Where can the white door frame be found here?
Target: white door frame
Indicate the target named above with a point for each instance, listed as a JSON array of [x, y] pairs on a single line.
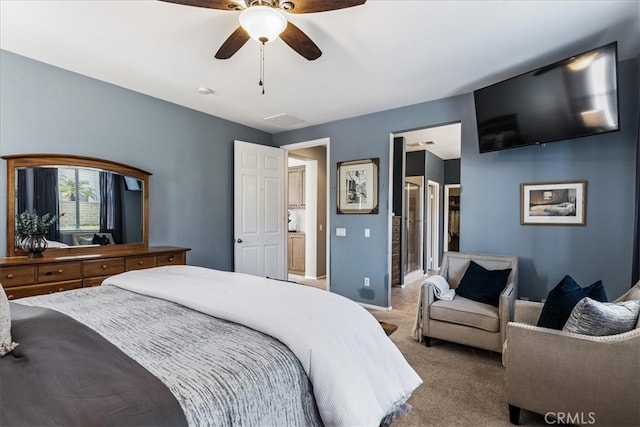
[[326, 142], [433, 208], [445, 234]]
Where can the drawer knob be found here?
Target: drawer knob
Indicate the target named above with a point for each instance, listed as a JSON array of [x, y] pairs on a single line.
[[9, 276], [140, 262], [104, 266], [60, 271], [10, 296], [48, 273], [61, 289], [170, 258]]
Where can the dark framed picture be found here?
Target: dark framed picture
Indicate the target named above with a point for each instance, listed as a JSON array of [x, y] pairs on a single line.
[[553, 203], [358, 186]]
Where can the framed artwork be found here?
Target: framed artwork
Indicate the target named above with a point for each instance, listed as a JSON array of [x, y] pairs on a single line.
[[358, 186], [553, 203]]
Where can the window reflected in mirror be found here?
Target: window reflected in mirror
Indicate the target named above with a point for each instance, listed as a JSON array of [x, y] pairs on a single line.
[[94, 207]]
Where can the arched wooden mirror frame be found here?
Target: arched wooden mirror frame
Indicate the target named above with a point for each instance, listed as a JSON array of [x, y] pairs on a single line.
[[15, 161]]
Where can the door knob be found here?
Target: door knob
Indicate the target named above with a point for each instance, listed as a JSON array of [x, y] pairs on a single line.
[[239, 240]]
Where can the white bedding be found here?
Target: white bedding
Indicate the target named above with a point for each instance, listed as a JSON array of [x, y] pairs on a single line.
[[359, 376]]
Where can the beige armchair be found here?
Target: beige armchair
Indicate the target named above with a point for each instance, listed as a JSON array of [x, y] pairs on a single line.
[[569, 377], [462, 320]]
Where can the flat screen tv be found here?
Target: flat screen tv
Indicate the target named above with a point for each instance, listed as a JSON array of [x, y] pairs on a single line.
[[575, 97]]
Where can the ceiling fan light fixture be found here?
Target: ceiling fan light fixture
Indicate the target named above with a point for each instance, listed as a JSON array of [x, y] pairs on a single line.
[[263, 23]]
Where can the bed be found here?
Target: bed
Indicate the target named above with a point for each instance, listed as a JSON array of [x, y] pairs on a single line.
[[185, 345]]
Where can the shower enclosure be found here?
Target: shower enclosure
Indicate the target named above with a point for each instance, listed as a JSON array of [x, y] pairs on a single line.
[[414, 219]]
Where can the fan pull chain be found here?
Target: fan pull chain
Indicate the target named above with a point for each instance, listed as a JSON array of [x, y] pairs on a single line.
[[261, 82]]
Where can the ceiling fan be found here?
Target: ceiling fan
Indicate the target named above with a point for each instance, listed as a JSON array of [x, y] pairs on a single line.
[[264, 21]]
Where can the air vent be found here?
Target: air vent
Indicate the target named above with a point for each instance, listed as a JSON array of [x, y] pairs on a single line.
[[284, 120]]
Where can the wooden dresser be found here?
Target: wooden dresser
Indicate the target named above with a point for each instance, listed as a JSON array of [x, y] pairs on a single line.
[[22, 276], [396, 223]]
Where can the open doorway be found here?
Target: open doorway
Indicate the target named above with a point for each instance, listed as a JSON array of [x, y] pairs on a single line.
[[307, 213], [413, 246], [431, 154], [451, 240]]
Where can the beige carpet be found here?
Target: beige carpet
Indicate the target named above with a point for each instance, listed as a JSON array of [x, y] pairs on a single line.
[[462, 386]]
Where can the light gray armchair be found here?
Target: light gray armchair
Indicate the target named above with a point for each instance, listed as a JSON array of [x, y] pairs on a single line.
[[586, 380], [462, 320]]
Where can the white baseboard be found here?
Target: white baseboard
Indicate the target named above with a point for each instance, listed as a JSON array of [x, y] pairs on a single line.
[[375, 307]]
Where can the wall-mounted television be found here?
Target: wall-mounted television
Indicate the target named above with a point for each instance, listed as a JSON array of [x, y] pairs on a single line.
[[574, 97]]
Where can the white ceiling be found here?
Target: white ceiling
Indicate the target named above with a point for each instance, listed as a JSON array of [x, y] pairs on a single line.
[[443, 141], [381, 55]]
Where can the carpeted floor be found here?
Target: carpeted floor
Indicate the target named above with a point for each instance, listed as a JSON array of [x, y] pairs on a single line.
[[463, 386]]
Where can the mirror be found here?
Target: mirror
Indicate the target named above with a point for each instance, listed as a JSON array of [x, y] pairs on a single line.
[[101, 205]]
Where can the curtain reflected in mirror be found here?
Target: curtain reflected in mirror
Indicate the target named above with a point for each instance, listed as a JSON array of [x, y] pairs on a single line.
[[95, 207], [37, 192]]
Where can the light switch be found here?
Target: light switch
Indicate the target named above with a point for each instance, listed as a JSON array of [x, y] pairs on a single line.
[[366, 232], [341, 232]]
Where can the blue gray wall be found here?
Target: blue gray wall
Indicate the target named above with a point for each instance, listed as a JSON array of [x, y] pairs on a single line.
[[452, 171], [490, 214], [435, 173], [354, 257], [44, 109], [490, 182]]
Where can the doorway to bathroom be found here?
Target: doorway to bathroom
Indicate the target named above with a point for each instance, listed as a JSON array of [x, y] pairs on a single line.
[[414, 223]]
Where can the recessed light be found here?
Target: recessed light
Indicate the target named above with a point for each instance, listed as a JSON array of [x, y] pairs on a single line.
[[204, 90]]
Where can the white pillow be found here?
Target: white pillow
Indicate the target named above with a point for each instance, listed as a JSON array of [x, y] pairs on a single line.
[[6, 345]]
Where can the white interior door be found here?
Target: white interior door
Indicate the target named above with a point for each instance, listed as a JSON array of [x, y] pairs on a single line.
[[259, 210]]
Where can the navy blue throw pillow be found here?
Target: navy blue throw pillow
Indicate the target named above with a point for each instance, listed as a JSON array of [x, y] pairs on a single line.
[[561, 300], [482, 285], [100, 240], [596, 291]]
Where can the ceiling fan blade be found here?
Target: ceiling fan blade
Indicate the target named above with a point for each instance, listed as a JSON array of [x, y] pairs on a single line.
[[210, 4], [300, 42], [311, 6], [232, 44]]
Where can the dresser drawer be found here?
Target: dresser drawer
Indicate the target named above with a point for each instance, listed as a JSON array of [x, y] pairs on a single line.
[[177, 258], [27, 291], [15, 276], [58, 272], [395, 278], [395, 250], [102, 267], [395, 261], [139, 263], [89, 282]]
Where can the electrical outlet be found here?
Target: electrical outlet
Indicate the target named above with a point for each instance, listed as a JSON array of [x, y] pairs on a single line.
[[366, 281]]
